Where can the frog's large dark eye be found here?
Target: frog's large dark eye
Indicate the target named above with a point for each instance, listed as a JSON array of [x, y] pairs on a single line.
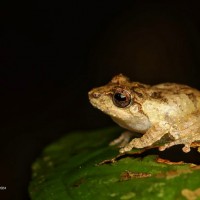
[[121, 98]]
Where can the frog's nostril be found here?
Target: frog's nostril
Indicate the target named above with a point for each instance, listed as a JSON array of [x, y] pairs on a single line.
[[96, 94]]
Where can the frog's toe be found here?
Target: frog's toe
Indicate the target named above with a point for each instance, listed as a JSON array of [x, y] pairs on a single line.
[[166, 146], [122, 150], [162, 148], [125, 149], [186, 148]]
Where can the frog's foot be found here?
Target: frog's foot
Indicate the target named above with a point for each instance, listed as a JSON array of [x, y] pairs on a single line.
[[135, 143], [151, 136], [122, 140], [185, 149]]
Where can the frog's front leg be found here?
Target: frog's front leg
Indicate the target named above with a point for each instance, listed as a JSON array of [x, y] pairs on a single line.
[[154, 134], [123, 139]]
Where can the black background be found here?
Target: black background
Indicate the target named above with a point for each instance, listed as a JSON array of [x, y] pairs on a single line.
[[53, 52]]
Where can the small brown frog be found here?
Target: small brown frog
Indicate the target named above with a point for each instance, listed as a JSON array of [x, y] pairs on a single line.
[[167, 109]]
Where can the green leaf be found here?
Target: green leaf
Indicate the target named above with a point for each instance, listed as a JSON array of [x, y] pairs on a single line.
[[69, 169]]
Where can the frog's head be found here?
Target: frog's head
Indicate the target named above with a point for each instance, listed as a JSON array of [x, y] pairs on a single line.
[[117, 99]]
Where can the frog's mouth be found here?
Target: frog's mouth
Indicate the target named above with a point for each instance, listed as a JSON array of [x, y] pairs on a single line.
[[97, 103]]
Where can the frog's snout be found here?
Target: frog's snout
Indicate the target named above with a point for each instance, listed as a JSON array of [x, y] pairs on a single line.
[[94, 94]]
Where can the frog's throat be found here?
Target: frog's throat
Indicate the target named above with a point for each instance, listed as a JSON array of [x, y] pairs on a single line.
[[134, 125]]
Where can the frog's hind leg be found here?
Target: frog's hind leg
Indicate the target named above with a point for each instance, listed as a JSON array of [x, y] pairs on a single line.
[[187, 142], [185, 131]]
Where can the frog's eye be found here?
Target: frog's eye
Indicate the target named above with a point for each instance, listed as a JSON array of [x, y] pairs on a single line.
[[121, 98]]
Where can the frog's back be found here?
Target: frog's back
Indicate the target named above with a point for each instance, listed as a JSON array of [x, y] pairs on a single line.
[[172, 100], [173, 87], [174, 90]]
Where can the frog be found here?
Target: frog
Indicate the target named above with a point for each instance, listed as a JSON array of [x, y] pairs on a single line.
[[168, 109]]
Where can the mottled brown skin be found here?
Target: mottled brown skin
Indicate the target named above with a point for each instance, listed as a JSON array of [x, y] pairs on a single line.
[[155, 111]]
